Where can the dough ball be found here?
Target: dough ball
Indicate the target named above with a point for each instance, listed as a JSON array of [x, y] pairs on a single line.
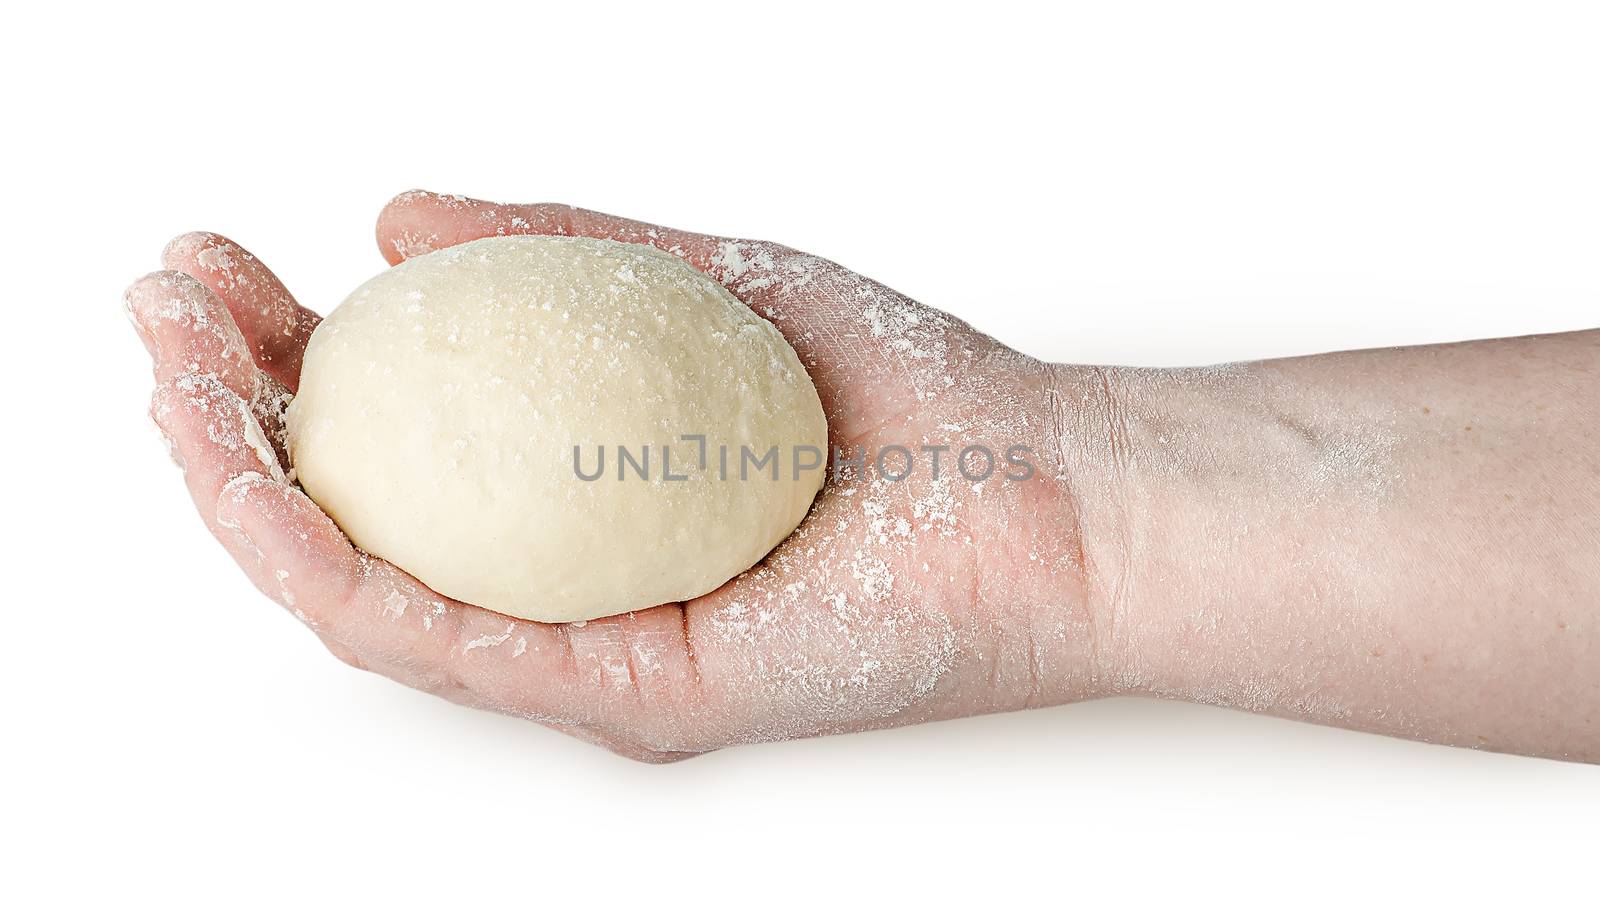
[[441, 405]]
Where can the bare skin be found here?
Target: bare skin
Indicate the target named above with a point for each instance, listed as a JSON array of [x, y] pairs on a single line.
[[1397, 541]]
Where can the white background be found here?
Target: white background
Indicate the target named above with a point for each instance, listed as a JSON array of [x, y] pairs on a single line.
[[1145, 183]]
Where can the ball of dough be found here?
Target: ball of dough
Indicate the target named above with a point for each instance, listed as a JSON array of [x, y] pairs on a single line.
[[451, 409]]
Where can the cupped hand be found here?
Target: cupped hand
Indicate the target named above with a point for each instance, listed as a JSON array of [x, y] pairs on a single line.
[[894, 602]]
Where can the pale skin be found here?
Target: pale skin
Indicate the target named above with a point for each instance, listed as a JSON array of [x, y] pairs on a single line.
[[1400, 541]]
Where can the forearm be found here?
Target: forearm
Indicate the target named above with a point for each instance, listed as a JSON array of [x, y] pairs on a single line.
[[1404, 541]]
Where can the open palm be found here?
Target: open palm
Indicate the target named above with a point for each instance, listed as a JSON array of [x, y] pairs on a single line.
[[896, 601]]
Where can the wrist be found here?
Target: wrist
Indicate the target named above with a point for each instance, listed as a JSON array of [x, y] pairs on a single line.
[[1213, 552], [1021, 559], [1087, 458], [1148, 456]]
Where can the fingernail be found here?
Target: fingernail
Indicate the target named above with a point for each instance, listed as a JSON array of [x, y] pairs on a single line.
[[156, 412], [229, 500], [171, 447], [179, 247], [151, 346]]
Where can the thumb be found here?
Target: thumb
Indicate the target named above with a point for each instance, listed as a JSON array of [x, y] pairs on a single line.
[[866, 346]]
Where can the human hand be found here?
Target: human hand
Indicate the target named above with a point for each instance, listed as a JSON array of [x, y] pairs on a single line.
[[894, 602]]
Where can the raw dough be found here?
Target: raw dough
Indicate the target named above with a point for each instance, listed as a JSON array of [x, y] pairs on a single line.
[[440, 404]]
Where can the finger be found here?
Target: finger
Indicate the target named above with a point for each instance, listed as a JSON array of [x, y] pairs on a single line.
[[397, 626], [418, 222], [226, 463], [186, 329], [215, 438], [380, 615], [298, 556], [189, 332], [275, 326], [625, 675], [587, 734], [759, 273]]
